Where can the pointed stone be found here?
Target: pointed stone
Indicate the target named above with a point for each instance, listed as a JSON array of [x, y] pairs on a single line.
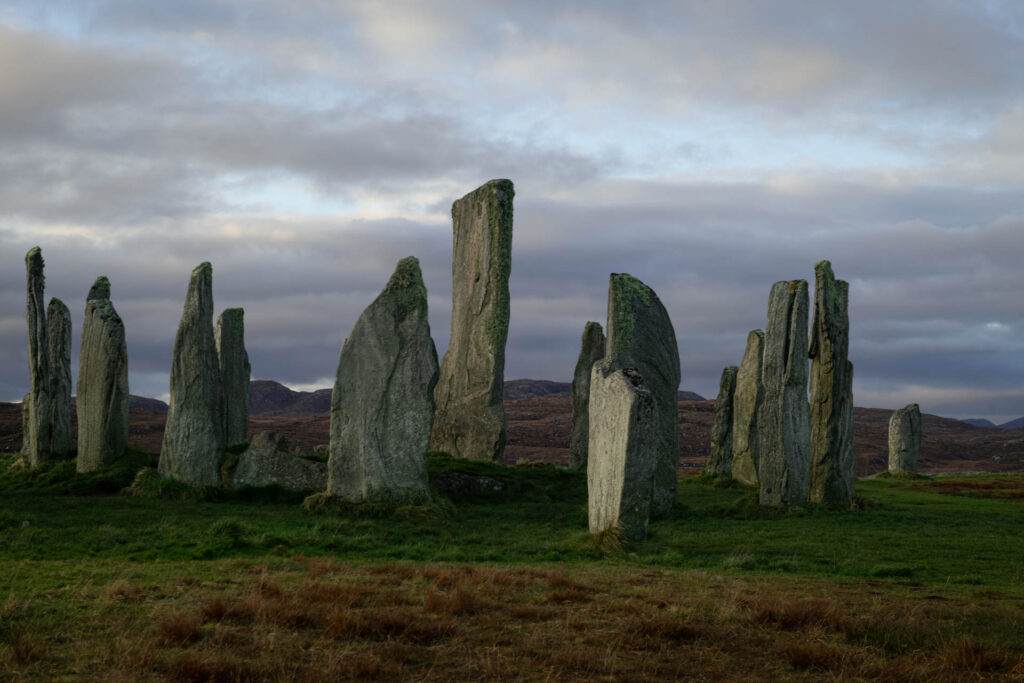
[[720, 462], [268, 461], [905, 439], [39, 431], [746, 403], [640, 336], [832, 471], [470, 418], [102, 383], [591, 350], [382, 407], [58, 343], [235, 372], [784, 420], [194, 440], [623, 451]]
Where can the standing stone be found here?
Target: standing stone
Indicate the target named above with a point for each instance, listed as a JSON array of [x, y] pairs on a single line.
[[591, 350], [58, 344], [235, 372], [640, 336], [102, 382], [38, 429], [784, 420], [382, 407], [904, 439], [194, 436], [26, 424], [623, 451], [745, 405], [832, 471], [470, 418], [720, 462]]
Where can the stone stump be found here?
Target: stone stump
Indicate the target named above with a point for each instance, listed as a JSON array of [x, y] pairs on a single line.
[[382, 407], [470, 418], [905, 439], [235, 371], [591, 350], [720, 462], [268, 461], [745, 405]]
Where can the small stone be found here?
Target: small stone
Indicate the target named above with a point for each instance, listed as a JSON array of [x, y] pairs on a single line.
[[194, 438], [591, 350], [470, 418], [720, 462], [623, 451], [235, 372], [784, 420], [103, 397], [268, 462], [745, 405], [905, 439], [382, 406]]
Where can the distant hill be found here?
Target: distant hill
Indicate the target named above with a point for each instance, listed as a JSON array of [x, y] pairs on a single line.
[[979, 422], [267, 397], [1013, 424], [134, 401], [518, 389]]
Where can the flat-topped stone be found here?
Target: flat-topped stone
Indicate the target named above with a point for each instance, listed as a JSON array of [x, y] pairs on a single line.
[[905, 439], [746, 403]]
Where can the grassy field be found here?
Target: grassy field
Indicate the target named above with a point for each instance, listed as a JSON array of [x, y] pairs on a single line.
[[923, 581]]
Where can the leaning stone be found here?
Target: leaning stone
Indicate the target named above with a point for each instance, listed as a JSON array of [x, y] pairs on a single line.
[[268, 462], [720, 462], [103, 397], [382, 406], [470, 418], [58, 343], [194, 436], [832, 471], [784, 420], [235, 372], [746, 403], [591, 350], [640, 336], [623, 451], [39, 428], [905, 439]]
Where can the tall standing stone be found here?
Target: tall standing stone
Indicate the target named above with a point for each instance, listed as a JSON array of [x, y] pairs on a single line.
[[591, 350], [58, 345], [832, 470], [640, 336], [382, 407], [39, 429], [235, 372], [623, 450], [784, 420], [720, 462], [904, 439], [103, 397], [470, 418], [194, 436], [745, 405]]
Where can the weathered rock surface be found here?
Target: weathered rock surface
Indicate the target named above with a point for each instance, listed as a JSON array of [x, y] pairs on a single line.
[[745, 404], [268, 461], [382, 407], [832, 470], [905, 439], [623, 451], [58, 345], [103, 397], [784, 420], [640, 336], [38, 427], [470, 418], [591, 350], [235, 371], [194, 439], [720, 462]]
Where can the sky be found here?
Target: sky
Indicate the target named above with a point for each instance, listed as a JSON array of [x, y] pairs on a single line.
[[707, 148]]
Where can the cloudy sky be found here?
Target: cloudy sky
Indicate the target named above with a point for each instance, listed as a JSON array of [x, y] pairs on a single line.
[[708, 148]]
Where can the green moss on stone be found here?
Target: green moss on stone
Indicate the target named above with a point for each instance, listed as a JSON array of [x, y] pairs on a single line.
[[100, 289], [627, 293], [406, 287]]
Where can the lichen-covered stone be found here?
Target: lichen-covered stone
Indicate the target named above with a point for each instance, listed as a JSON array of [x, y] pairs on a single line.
[[905, 439], [382, 407], [194, 438], [591, 350], [38, 430], [720, 462], [268, 461], [103, 397], [470, 418], [784, 420], [623, 451], [58, 345], [640, 336], [832, 471], [745, 404], [235, 371]]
